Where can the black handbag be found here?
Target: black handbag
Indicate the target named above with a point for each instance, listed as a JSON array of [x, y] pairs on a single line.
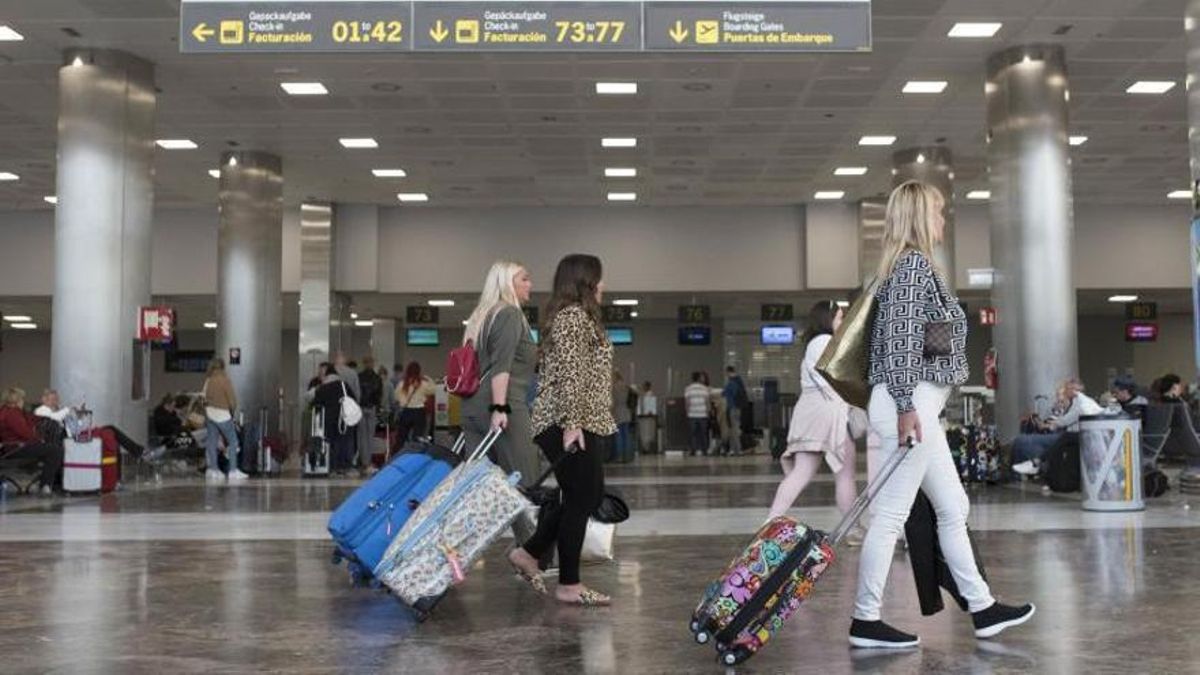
[[612, 509], [938, 338]]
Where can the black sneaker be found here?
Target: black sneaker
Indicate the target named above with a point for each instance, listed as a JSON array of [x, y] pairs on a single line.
[[879, 635], [992, 621]]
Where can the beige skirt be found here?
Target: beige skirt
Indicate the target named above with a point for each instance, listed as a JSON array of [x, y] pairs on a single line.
[[819, 424]]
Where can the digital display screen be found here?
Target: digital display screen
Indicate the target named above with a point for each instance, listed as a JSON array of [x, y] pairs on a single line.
[[778, 335], [423, 337], [695, 335], [1141, 332], [536, 335], [620, 336]]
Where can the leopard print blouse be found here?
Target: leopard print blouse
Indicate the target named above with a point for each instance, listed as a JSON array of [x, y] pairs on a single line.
[[575, 384]]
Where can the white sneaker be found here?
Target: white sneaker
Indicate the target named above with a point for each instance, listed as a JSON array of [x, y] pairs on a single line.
[[237, 475], [214, 476], [1025, 468]]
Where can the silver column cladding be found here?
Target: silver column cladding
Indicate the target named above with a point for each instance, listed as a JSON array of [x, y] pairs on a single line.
[[249, 270], [1032, 226], [871, 212], [383, 342], [316, 287], [102, 229], [1191, 25], [933, 165]]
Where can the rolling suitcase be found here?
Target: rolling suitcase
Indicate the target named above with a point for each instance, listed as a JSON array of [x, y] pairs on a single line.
[[82, 465], [450, 530], [766, 583], [364, 524], [315, 462]]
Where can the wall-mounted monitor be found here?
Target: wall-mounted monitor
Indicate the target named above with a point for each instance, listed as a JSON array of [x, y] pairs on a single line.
[[620, 335], [695, 335], [423, 337], [536, 335], [778, 335], [1141, 331]]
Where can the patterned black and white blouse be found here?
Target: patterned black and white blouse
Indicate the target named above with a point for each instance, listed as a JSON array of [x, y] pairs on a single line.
[[914, 296]]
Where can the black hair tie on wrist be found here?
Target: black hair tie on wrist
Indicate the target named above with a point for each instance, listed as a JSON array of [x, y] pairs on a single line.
[[506, 409]]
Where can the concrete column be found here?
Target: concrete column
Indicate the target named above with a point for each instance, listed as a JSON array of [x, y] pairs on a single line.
[[1191, 26], [933, 165], [316, 291], [871, 212], [1032, 226], [102, 231], [383, 342], [249, 262]]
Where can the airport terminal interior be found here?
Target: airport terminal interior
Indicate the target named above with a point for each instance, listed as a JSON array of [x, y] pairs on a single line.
[[242, 245]]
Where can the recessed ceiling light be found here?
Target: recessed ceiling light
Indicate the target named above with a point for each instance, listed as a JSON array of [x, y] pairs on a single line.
[[353, 315], [1077, 140], [389, 173], [304, 88], [974, 30], [617, 88], [979, 194], [50, 199], [210, 324], [622, 196], [176, 144], [7, 34], [17, 318], [1150, 87], [620, 173], [358, 142], [843, 303], [925, 87], [24, 326], [1179, 194], [850, 171], [829, 194], [8, 176], [619, 142], [366, 323], [626, 302], [981, 277], [877, 140], [465, 322], [633, 315], [1123, 298], [412, 197], [441, 303]]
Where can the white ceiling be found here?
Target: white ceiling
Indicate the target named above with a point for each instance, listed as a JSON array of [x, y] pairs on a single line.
[[525, 129]]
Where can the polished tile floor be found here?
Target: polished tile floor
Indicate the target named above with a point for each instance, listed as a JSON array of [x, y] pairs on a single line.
[[177, 577]]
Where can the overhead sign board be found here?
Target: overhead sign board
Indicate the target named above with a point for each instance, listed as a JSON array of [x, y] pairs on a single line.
[[241, 26], [695, 313], [777, 312], [1141, 311], [421, 314]]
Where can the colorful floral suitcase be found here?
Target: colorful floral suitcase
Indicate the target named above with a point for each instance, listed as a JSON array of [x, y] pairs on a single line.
[[764, 585]]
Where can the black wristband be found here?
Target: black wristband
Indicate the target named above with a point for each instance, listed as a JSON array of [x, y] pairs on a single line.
[[506, 409]]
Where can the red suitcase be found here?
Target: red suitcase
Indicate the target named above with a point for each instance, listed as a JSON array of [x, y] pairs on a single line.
[[110, 458]]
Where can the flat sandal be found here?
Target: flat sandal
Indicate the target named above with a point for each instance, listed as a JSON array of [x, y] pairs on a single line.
[[589, 598]]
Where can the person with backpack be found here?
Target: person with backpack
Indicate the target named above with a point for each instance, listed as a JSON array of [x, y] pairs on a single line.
[[736, 401], [327, 397]]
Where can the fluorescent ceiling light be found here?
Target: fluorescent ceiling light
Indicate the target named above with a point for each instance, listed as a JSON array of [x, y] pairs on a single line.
[[441, 303], [829, 194], [17, 318], [616, 88], [9, 35], [389, 173], [979, 194], [843, 303], [850, 171], [620, 173], [877, 140], [974, 30], [982, 277], [8, 176], [210, 324], [626, 302], [358, 142], [1123, 298], [25, 326], [1179, 194], [925, 87], [366, 323], [353, 315], [633, 315], [413, 197], [176, 144], [1150, 87], [465, 322], [622, 196], [50, 199], [215, 173], [618, 142], [1077, 140], [304, 88]]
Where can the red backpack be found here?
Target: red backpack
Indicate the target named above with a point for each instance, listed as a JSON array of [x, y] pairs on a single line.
[[462, 371]]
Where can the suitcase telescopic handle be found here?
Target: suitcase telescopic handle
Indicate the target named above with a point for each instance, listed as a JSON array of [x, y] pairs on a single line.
[[459, 443], [863, 501], [486, 444]]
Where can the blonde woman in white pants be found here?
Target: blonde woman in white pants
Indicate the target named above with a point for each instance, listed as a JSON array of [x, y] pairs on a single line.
[[917, 355]]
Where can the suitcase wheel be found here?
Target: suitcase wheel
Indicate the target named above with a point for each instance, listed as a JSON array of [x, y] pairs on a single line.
[[695, 625], [702, 638], [336, 558], [733, 657]]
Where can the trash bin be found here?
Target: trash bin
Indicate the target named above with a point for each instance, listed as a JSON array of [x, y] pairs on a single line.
[[1110, 463]]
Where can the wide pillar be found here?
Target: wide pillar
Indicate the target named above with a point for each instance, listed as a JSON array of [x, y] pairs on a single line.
[[316, 287], [1032, 227], [102, 229], [1191, 25], [871, 214], [383, 342], [249, 262], [933, 165]]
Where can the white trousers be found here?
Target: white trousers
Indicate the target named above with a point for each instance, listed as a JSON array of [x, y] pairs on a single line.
[[928, 467]]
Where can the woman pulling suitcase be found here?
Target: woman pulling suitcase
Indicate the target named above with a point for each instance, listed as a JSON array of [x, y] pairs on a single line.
[[917, 355]]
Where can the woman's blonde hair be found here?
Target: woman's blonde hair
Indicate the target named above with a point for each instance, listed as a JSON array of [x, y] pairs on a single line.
[[498, 291], [908, 225], [15, 397], [216, 365]]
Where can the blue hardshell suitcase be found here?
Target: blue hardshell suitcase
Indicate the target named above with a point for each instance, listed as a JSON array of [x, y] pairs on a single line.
[[364, 524]]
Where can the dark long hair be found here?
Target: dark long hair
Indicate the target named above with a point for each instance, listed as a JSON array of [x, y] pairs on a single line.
[[412, 376], [575, 283], [820, 320]]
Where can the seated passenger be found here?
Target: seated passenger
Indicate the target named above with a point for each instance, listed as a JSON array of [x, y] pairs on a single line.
[[1125, 390], [53, 409], [1169, 389], [1028, 449], [20, 442], [168, 424]]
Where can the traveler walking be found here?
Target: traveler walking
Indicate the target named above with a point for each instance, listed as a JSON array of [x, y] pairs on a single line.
[[412, 393], [572, 423], [220, 405], [917, 355]]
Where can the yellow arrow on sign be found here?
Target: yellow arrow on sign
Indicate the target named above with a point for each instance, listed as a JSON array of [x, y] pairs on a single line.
[[202, 32], [678, 33], [439, 32]]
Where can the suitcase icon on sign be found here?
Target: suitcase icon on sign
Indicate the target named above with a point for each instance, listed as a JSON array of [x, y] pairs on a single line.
[[233, 32]]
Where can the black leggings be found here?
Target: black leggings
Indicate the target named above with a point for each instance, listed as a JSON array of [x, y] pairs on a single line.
[[412, 421], [581, 478]]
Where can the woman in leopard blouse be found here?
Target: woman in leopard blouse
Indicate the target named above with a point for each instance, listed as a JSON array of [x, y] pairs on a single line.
[[572, 422]]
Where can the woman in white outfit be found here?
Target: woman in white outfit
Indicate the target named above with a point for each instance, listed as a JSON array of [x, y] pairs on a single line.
[[917, 355], [819, 427]]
